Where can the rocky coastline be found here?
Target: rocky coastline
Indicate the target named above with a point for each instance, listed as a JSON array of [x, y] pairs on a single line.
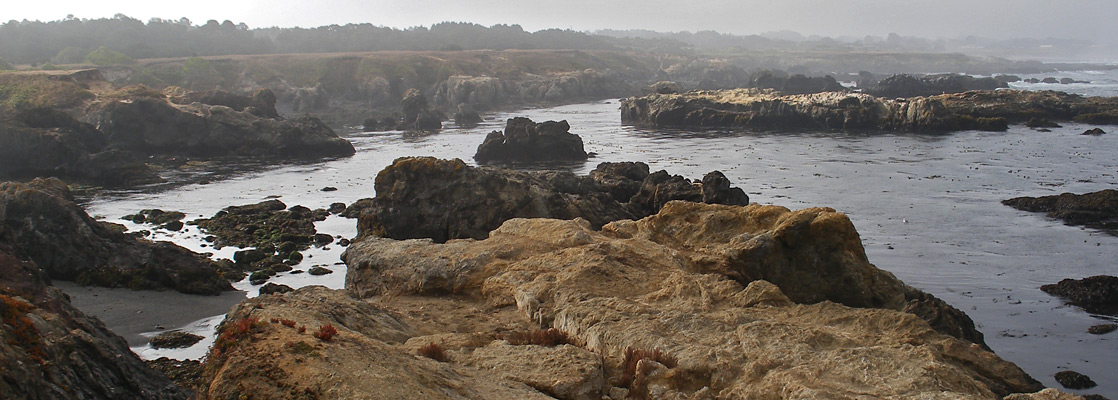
[[765, 110], [84, 129], [1097, 210]]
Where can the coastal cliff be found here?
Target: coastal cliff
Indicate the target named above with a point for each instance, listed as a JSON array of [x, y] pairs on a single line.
[[766, 110]]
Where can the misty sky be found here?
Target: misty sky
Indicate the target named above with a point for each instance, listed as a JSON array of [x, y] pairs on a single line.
[[1081, 19]]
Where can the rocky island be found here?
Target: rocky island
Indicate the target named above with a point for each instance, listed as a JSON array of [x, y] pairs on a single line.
[[767, 110]]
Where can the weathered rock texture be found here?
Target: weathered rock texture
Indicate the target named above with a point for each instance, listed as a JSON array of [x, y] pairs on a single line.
[[425, 197], [50, 350], [768, 110], [692, 290], [911, 86], [41, 223], [1097, 210], [524, 140]]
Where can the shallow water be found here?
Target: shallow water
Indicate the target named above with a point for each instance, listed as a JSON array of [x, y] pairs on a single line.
[[927, 206]]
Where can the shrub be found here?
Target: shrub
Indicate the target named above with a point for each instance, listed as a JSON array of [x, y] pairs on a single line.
[[326, 333], [302, 329], [288, 323], [433, 351], [544, 337], [230, 334]]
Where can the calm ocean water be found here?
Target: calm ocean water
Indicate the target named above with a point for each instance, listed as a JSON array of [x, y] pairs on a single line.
[[927, 206]]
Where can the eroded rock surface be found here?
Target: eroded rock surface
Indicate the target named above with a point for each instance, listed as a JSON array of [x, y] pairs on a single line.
[[682, 289], [1097, 210], [41, 223], [1098, 294], [51, 350], [425, 197], [768, 110]]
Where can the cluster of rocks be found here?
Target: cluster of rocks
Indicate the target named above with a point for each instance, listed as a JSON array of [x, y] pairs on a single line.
[[417, 116], [525, 140], [40, 222], [767, 110], [272, 233], [425, 197], [1052, 80], [111, 139]]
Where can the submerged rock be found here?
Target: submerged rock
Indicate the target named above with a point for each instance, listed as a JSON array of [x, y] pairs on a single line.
[[524, 140], [425, 197], [1098, 210], [41, 223], [54, 351]]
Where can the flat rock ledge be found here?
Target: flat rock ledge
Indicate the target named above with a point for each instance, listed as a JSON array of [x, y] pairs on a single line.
[[767, 110]]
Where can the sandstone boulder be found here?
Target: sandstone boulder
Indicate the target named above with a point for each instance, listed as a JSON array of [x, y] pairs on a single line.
[[525, 140]]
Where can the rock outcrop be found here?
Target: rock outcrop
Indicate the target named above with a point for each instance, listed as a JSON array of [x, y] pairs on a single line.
[[1097, 294], [51, 350], [417, 114], [767, 110], [524, 140], [1098, 210], [425, 197], [40, 222], [688, 295]]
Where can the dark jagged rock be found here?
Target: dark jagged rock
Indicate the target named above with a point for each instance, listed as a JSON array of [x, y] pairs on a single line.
[[766, 110], [424, 197], [155, 217], [664, 87], [1074, 380], [1097, 294], [273, 288], [417, 115], [524, 140], [185, 373], [1050, 80], [336, 208], [1098, 210], [41, 223], [174, 340], [716, 190], [1094, 132], [910, 86], [801, 84], [54, 351], [370, 125], [316, 270], [942, 316]]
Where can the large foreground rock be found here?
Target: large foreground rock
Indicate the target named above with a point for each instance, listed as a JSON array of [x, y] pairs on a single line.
[[40, 222], [693, 292], [50, 350], [1097, 210], [767, 110], [425, 197], [524, 140]]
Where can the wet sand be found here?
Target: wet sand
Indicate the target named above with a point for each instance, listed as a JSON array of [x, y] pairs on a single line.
[[130, 313]]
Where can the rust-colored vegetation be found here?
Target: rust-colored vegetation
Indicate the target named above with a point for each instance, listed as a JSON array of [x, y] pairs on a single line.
[[550, 337], [13, 312], [633, 377], [288, 323], [230, 334], [326, 333], [433, 351]]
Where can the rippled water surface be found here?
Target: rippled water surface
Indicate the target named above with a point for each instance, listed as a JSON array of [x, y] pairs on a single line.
[[927, 206]]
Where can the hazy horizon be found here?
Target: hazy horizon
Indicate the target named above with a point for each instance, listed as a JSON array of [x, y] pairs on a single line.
[[996, 19]]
